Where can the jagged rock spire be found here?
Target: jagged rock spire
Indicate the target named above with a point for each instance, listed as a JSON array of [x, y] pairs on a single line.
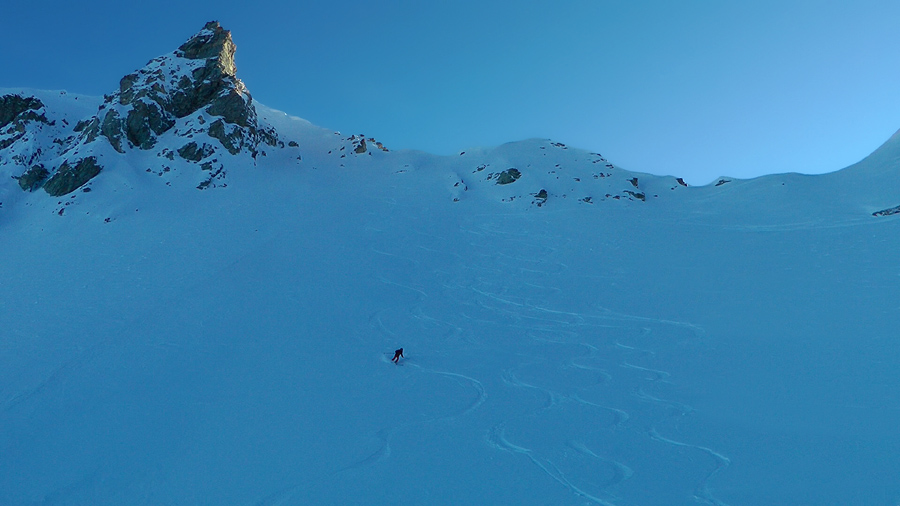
[[200, 74], [211, 42], [194, 87]]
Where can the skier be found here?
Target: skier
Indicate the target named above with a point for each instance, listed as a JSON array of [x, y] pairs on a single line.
[[397, 355]]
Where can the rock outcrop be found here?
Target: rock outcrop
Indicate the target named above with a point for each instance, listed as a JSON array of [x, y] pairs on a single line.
[[70, 177], [19, 108], [33, 178], [198, 77], [508, 176], [887, 212], [185, 96], [27, 140], [16, 113]]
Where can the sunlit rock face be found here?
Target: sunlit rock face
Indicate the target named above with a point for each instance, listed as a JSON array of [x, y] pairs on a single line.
[[191, 92]]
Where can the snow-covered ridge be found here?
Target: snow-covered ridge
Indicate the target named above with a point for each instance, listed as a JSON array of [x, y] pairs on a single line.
[[188, 102], [186, 118], [193, 326], [188, 109]]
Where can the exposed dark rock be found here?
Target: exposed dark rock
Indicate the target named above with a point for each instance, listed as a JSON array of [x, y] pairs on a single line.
[[194, 87], [5, 143], [33, 178], [91, 130], [214, 179], [634, 181], [361, 148], [112, 130], [508, 176], [143, 121], [126, 89], [149, 101], [232, 106], [11, 106], [887, 212], [268, 136], [211, 42], [16, 114], [230, 141], [68, 178], [194, 153], [638, 195], [215, 84]]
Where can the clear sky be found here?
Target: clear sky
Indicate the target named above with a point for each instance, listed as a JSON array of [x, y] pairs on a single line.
[[695, 88]]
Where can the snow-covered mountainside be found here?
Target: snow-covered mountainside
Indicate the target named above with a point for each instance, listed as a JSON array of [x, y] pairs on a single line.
[[201, 296], [188, 104], [186, 116]]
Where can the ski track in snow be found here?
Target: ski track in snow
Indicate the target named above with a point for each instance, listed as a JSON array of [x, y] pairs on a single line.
[[389, 282], [453, 332], [622, 472], [497, 438], [377, 323], [401, 257], [383, 452], [553, 398], [805, 225], [384, 435], [50, 381], [703, 493], [574, 364], [481, 394], [621, 416], [657, 375], [613, 355], [62, 494], [280, 497]]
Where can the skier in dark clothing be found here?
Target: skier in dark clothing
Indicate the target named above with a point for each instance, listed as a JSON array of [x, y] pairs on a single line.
[[397, 355]]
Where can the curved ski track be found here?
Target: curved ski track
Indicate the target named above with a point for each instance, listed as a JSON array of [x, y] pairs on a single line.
[[612, 364]]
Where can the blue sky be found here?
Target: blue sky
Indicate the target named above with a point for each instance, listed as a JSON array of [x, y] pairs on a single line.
[[695, 89]]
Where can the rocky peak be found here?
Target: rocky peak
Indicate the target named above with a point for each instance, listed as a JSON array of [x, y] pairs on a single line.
[[197, 77], [190, 93], [213, 42]]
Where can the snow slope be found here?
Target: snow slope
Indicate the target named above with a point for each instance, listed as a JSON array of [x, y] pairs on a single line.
[[574, 333], [717, 345]]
